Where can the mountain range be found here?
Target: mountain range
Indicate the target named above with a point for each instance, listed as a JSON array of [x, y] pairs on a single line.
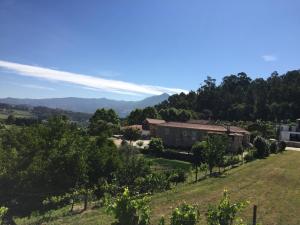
[[88, 105]]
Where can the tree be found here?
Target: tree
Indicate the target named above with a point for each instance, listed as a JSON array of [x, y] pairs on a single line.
[[52, 157], [103, 122], [198, 151], [213, 153], [240, 98], [10, 119], [156, 146], [131, 134], [138, 116]]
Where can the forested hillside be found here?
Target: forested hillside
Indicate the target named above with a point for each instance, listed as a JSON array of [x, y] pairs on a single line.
[[238, 97]]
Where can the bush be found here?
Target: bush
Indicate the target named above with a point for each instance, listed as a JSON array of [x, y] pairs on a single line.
[[140, 143], [250, 156], [156, 146], [274, 147], [262, 147], [3, 211], [152, 183], [177, 176], [185, 215], [225, 212], [231, 160], [130, 210], [281, 146]]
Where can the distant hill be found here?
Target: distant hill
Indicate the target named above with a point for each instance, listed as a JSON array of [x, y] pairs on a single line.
[[25, 113], [88, 105]]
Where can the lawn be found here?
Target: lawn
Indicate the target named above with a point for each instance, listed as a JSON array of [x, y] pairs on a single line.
[[160, 164], [273, 184]]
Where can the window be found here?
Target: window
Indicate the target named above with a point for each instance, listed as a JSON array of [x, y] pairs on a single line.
[[167, 131], [194, 135], [294, 137], [184, 133]]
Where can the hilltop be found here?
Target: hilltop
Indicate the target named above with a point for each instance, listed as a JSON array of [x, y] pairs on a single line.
[[88, 105]]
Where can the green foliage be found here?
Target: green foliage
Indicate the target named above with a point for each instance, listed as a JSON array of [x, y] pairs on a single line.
[[198, 150], [11, 119], [104, 122], [238, 97], [273, 147], [262, 147], [138, 116], [185, 215], [140, 143], [249, 155], [3, 211], [132, 167], [156, 146], [173, 114], [153, 182], [131, 134], [177, 176], [130, 210], [281, 146], [50, 159], [225, 213], [213, 151]]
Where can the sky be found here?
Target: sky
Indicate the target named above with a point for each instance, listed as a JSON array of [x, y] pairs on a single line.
[[131, 49]]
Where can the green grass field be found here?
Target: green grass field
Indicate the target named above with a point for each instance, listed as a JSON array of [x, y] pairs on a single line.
[[160, 164], [273, 184], [16, 113]]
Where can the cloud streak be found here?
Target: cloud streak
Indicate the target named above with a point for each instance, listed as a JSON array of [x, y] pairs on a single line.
[[269, 58], [86, 81]]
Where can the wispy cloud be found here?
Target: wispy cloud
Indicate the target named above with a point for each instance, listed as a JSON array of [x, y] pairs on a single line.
[[37, 87], [269, 58], [86, 81]]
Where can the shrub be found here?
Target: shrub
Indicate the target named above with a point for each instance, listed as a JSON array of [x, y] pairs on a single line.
[[140, 143], [130, 210], [250, 155], [3, 211], [185, 215], [177, 176], [152, 183], [262, 147], [273, 147], [231, 160], [131, 134], [156, 146], [225, 212], [172, 154], [281, 146]]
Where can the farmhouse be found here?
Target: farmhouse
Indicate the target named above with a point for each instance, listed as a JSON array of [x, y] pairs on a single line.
[[290, 134], [184, 135], [151, 125]]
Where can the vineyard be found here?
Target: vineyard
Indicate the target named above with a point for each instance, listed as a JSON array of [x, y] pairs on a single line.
[[272, 184]]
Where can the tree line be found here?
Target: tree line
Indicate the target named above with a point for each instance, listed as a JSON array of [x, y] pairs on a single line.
[[238, 97]]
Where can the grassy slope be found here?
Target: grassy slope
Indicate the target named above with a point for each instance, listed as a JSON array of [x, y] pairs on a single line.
[[273, 184]]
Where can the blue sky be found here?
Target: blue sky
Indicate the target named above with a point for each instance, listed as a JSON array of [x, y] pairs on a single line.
[[125, 49]]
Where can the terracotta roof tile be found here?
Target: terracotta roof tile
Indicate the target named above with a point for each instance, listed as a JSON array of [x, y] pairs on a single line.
[[155, 121], [206, 127]]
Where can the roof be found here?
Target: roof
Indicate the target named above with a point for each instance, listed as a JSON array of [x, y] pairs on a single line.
[[198, 121], [204, 127], [155, 121]]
